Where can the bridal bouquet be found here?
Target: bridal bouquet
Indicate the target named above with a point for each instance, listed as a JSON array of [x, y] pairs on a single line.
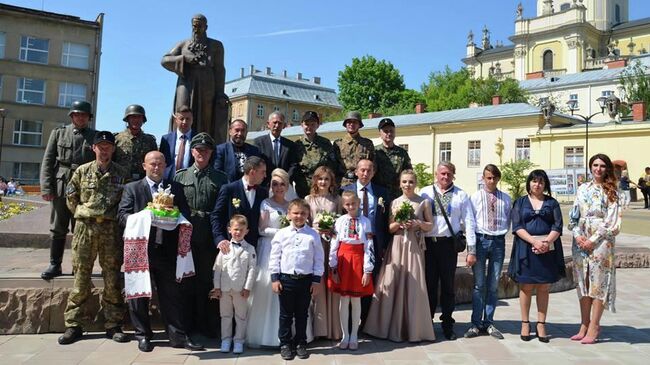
[[284, 221], [326, 220], [404, 213]]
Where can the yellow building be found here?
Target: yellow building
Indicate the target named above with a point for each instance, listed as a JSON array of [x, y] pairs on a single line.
[[258, 94], [565, 39], [47, 61]]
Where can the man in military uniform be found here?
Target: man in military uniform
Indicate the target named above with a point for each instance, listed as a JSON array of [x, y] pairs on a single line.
[[93, 195], [313, 151], [201, 184], [68, 148], [351, 148], [390, 159], [132, 143]]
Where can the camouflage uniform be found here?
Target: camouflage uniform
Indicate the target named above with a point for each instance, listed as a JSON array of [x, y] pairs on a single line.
[[390, 162], [130, 151], [201, 188], [93, 196], [312, 155], [348, 151]]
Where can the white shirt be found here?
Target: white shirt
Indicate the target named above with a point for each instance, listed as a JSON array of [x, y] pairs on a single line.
[[371, 200], [459, 212], [297, 251], [481, 206], [277, 155], [152, 183], [236, 269], [250, 194], [186, 156], [363, 237]]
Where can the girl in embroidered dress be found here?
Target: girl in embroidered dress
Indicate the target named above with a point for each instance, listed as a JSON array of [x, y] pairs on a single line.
[[351, 260]]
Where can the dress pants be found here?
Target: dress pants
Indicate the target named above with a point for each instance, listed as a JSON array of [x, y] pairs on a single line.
[[163, 274], [201, 312], [294, 303], [440, 260], [233, 304]]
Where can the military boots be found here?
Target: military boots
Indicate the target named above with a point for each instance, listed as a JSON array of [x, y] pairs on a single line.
[[56, 256]]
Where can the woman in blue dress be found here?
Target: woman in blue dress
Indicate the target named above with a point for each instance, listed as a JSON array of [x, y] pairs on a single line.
[[537, 260]]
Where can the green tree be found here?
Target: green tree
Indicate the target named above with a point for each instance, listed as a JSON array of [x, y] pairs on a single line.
[[514, 173], [369, 85], [425, 178], [636, 82], [406, 104]]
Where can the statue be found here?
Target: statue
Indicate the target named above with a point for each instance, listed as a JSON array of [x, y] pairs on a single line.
[[486, 38], [470, 38], [520, 11], [198, 62]]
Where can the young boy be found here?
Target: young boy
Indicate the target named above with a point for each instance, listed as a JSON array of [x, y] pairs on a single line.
[[296, 266], [234, 275]]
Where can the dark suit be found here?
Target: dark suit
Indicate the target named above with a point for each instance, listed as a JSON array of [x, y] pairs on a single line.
[[168, 149], [224, 159], [380, 230], [288, 160], [224, 210], [162, 265]]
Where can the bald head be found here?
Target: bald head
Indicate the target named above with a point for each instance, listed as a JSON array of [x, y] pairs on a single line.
[[154, 165]]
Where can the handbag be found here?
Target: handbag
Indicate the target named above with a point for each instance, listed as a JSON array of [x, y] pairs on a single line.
[[460, 242]]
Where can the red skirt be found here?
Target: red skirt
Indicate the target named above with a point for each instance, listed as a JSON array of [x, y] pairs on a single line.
[[350, 268]]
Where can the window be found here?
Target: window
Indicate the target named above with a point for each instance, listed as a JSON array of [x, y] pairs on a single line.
[[276, 108], [69, 92], [565, 6], [445, 151], [1, 79], [27, 173], [33, 49], [607, 93], [75, 55], [574, 157], [575, 97], [473, 153], [295, 115], [30, 91], [260, 111], [405, 147], [28, 133], [548, 60], [522, 149], [617, 13], [3, 41]]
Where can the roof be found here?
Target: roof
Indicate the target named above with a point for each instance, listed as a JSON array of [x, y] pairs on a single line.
[[442, 117], [631, 24], [47, 14], [277, 87], [585, 77], [500, 49]]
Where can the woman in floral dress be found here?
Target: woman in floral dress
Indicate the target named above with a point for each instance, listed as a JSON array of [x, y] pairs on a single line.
[[323, 198], [595, 221]]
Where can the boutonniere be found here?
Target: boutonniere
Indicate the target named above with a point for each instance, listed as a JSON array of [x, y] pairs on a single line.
[[236, 202], [380, 202]]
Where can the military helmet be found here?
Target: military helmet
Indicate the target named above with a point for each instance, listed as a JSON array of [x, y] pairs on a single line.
[[353, 115], [134, 109], [81, 106]]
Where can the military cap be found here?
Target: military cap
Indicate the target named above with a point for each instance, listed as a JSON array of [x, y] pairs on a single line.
[[310, 115], [202, 139], [385, 122], [104, 136], [353, 115]]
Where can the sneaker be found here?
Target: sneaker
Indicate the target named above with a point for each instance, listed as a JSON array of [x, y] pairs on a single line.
[[301, 351], [494, 332], [225, 346], [472, 332], [286, 352], [238, 348]]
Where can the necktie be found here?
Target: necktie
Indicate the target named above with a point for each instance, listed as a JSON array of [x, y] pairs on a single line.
[[181, 154], [352, 229], [154, 188], [276, 151], [365, 201], [492, 212]]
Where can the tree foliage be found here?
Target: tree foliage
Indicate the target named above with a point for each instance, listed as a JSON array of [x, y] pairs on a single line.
[[406, 104], [369, 85], [636, 82], [425, 178], [514, 173], [458, 89]]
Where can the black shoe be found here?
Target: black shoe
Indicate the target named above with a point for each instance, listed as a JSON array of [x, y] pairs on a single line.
[[527, 337], [117, 335], [301, 352], [544, 339], [144, 345], [286, 352], [71, 335], [51, 272], [472, 332], [193, 346], [449, 334]]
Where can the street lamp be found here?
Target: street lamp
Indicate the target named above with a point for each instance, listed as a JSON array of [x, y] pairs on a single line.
[[3, 114]]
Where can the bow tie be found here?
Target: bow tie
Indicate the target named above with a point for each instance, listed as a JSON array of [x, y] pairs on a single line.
[[251, 187], [235, 243]]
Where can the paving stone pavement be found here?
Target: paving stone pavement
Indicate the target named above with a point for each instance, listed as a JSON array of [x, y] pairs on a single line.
[[625, 339]]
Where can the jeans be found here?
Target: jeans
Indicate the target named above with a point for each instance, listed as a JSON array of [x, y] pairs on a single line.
[[490, 251]]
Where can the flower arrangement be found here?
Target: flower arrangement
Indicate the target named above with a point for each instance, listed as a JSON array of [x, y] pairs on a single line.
[[404, 213], [284, 221], [380, 202], [11, 209], [236, 203], [326, 220]]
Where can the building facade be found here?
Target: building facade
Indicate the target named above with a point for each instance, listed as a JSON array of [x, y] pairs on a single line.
[[47, 61], [256, 95], [563, 40]]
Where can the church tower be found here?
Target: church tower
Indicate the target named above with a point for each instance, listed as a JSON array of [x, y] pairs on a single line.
[[602, 14]]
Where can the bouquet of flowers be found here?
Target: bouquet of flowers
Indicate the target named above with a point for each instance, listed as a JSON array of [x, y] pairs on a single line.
[[284, 221], [326, 220], [404, 213]]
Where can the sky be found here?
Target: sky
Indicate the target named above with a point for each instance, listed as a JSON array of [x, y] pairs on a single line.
[[316, 38]]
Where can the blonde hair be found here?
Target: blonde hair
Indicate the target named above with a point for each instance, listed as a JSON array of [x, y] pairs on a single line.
[[409, 172], [301, 203], [349, 194], [280, 173], [320, 171], [238, 219]]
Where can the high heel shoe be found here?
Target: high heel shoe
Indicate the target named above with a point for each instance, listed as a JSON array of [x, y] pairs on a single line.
[[527, 337], [591, 340], [577, 337], [543, 339]]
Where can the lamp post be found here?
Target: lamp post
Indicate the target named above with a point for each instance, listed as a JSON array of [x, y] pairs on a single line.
[[3, 114]]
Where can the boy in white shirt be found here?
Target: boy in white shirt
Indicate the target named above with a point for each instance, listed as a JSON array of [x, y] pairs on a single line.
[[234, 275]]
